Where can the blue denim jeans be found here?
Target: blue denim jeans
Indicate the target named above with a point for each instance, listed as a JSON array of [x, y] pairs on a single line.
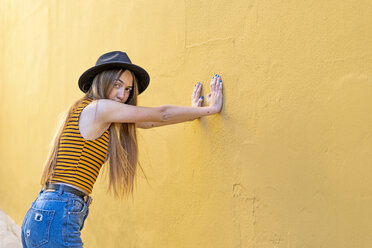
[[55, 219]]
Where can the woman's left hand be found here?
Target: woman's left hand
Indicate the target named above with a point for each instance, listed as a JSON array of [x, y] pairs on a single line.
[[196, 99]]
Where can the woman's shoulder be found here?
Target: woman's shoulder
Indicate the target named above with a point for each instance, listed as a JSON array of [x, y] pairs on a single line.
[[82, 103], [91, 126], [100, 105]]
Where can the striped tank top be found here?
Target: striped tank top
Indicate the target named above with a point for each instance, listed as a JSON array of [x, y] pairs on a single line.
[[79, 160]]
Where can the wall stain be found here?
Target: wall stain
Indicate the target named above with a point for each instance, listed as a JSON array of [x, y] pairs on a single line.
[[244, 214]]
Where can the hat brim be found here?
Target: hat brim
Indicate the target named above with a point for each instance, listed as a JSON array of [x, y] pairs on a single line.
[[86, 79]]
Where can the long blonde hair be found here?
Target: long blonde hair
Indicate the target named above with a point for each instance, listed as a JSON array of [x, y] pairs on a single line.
[[122, 156]]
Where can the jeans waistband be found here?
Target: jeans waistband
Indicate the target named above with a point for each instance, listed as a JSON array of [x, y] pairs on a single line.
[[65, 188]]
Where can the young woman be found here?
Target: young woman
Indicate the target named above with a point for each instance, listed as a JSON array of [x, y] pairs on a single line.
[[100, 128]]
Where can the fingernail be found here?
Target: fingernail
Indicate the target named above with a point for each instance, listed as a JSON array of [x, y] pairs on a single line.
[[195, 85], [215, 75], [202, 97], [221, 80]]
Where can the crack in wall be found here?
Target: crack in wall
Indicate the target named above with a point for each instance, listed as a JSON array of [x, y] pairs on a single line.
[[244, 214], [209, 41]]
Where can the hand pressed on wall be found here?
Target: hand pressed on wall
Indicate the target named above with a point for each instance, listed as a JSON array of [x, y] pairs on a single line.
[[214, 98]]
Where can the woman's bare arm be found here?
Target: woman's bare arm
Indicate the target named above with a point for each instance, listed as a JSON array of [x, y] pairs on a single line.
[[196, 101], [147, 125], [108, 111]]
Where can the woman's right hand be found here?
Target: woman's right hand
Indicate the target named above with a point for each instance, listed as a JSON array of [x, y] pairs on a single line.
[[214, 98]]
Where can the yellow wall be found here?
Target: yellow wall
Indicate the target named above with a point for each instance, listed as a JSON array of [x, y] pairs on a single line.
[[286, 164]]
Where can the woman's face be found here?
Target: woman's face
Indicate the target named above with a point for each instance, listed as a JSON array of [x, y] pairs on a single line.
[[121, 87]]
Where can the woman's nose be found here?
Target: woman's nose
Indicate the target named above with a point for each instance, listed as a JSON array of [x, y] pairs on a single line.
[[120, 93]]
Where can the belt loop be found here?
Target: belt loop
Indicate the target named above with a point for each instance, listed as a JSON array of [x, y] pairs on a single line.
[[89, 200], [60, 189], [43, 189]]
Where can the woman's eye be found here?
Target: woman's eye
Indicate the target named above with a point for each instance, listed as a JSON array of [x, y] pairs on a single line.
[[116, 85], [128, 89]]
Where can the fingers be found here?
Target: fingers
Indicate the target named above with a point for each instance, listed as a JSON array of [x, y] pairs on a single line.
[[199, 87], [220, 86], [213, 83], [196, 98], [197, 90], [200, 101]]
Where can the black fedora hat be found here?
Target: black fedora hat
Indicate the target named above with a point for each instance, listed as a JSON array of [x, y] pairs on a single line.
[[114, 60]]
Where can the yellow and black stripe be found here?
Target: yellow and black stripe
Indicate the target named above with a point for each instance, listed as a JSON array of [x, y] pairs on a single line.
[[79, 160]]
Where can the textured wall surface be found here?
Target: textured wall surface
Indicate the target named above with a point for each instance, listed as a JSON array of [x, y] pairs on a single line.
[[286, 164]]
